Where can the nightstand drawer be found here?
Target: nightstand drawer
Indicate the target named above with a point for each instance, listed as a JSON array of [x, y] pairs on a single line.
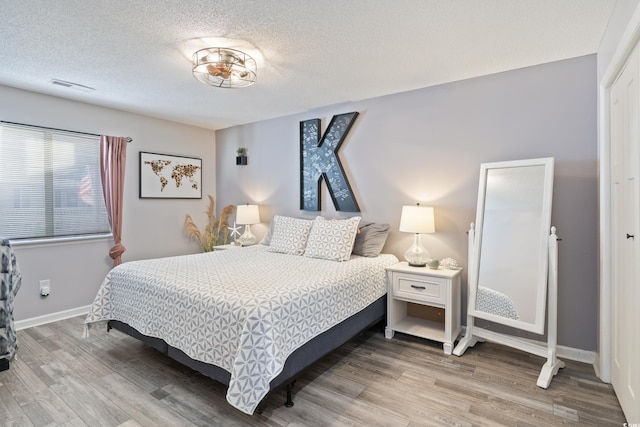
[[419, 287]]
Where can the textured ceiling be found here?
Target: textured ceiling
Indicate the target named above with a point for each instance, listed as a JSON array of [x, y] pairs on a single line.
[[137, 54]]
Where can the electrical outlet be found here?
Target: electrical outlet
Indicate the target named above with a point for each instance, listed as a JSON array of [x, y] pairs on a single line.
[[45, 287]]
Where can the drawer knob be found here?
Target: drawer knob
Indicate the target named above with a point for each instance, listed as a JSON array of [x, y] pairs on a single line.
[[418, 287]]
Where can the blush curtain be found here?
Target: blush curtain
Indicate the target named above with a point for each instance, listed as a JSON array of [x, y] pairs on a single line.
[[113, 155]]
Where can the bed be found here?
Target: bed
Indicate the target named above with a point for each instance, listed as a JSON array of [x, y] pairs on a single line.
[[250, 318]]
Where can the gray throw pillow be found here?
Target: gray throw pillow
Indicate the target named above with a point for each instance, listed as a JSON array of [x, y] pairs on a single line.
[[370, 239]]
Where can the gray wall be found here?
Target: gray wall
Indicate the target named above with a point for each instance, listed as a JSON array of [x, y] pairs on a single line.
[[427, 145], [151, 228]]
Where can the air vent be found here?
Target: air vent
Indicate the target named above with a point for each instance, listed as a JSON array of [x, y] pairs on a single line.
[[71, 85]]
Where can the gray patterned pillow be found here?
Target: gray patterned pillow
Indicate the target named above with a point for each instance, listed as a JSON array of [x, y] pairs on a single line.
[[332, 239], [289, 235]]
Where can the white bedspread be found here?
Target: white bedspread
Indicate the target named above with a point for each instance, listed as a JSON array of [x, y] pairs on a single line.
[[245, 310]]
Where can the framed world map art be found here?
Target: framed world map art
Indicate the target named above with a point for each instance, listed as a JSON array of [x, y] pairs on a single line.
[[163, 176]]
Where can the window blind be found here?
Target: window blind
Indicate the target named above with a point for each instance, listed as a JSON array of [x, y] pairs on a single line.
[[49, 183]]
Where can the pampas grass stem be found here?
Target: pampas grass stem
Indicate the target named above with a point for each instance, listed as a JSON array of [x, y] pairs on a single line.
[[215, 232]]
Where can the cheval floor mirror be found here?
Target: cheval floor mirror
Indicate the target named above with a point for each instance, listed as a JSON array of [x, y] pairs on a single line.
[[513, 260]]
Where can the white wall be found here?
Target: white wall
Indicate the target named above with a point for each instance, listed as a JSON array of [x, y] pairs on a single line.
[[427, 145], [151, 227]]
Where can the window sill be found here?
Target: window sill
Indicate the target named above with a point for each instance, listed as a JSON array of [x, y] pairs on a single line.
[[55, 241]]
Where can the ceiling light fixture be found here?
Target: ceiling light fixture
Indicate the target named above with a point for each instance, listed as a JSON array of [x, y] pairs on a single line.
[[224, 67]]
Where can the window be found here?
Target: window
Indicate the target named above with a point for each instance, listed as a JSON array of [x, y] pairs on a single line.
[[49, 183]]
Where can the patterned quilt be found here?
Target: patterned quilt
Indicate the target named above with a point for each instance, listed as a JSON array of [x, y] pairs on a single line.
[[494, 302], [244, 310]]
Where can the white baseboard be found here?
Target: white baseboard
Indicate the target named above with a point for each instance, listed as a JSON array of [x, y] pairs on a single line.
[[53, 317], [584, 356], [596, 368]]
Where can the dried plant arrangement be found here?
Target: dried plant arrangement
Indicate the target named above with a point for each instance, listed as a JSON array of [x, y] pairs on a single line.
[[216, 231]]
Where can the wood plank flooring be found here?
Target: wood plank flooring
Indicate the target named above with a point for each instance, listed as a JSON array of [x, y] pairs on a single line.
[[110, 379]]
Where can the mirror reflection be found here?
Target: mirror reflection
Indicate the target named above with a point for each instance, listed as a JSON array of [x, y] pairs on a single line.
[[513, 226]]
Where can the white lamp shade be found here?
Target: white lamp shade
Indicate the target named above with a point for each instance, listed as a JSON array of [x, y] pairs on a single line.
[[247, 214], [417, 219]]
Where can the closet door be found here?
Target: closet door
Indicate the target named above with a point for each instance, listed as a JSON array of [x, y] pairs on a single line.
[[625, 166]]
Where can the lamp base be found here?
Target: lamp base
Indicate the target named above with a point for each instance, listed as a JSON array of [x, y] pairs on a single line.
[[417, 255], [412, 264], [247, 238]]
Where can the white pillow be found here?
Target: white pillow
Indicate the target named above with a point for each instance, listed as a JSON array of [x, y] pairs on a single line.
[[289, 235], [266, 240], [332, 239]]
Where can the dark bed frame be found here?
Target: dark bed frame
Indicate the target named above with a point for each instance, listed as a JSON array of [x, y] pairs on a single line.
[[295, 364]]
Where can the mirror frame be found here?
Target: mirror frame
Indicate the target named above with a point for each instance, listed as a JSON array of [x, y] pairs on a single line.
[[543, 260]]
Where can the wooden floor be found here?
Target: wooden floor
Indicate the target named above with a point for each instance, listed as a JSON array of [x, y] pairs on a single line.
[[110, 379]]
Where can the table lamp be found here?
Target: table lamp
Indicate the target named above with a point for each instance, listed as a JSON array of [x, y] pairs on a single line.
[[417, 219], [247, 215]]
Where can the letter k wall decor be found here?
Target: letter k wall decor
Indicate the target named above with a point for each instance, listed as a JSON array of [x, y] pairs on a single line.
[[319, 160]]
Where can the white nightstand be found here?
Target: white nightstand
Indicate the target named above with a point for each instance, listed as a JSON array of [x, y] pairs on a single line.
[[408, 288]]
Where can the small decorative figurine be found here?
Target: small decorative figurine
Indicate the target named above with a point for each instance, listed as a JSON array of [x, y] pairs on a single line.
[[449, 264], [433, 263]]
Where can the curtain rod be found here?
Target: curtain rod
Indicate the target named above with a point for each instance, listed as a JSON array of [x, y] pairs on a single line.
[[129, 139]]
